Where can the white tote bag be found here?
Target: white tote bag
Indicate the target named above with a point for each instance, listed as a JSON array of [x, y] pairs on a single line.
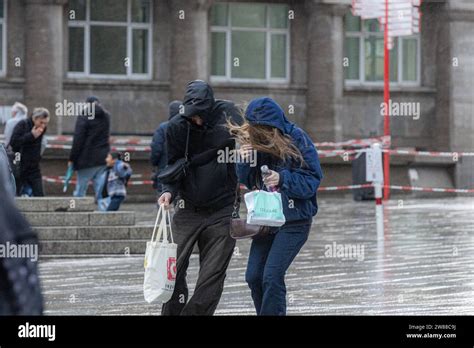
[[160, 261]]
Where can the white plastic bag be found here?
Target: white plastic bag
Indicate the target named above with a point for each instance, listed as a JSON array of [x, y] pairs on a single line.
[[264, 208], [160, 262]]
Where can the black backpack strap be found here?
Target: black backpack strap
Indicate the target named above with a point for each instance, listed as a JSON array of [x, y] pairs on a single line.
[[187, 143]]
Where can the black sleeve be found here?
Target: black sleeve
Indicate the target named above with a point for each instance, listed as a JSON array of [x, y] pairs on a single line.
[[175, 147], [207, 156], [80, 133], [21, 136]]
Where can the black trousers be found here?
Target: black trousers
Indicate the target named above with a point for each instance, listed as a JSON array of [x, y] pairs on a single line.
[[211, 231], [33, 178]]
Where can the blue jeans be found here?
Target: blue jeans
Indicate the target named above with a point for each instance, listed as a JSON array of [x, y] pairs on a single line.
[[115, 202], [269, 259], [83, 178]]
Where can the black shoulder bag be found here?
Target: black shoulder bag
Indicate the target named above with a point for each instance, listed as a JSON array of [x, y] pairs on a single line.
[[178, 170]]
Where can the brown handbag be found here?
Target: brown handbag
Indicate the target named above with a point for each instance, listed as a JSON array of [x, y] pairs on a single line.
[[239, 228]]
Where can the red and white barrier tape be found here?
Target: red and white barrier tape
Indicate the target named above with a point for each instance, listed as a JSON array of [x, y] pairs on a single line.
[[60, 180], [322, 153], [428, 153], [430, 189], [384, 140], [454, 155], [117, 141], [397, 187], [346, 187], [56, 180], [138, 183], [335, 153], [113, 148]]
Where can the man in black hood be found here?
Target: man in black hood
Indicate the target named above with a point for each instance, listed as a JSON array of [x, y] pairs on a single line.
[[203, 199], [158, 156]]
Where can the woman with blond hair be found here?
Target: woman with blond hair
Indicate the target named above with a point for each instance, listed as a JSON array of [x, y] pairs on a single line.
[[295, 172]]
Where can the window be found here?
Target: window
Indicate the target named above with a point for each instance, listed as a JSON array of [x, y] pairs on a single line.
[[110, 38], [3, 37], [249, 42], [364, 49]]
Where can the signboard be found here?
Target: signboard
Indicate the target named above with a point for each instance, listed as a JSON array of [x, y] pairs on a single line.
[[373, 164], [403, 15]]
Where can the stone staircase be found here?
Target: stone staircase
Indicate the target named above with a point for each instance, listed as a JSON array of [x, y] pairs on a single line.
[[68, 226]]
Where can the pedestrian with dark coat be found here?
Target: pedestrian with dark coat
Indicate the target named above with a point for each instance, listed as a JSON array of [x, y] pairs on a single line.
[[20, 292], [158, 156], [26, 141], [90, 146], [296, 173], [19, 112], [204, 198]]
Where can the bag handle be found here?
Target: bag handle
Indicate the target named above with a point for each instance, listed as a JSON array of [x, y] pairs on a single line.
[[160, 209], [163, 226], [160, 229], [171, 231]]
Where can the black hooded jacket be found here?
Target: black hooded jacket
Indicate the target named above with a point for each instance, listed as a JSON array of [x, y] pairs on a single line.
[[208, 184], [91, 140]]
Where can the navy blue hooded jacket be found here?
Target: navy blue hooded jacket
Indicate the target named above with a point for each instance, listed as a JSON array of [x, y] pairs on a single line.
[[158, 156], [298, 183]]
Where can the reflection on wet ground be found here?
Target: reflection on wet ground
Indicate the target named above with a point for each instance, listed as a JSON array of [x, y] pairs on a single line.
[[423, 265]]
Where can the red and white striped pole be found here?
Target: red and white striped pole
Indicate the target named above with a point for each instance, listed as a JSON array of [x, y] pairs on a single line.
[[375, 174], [386, 99]]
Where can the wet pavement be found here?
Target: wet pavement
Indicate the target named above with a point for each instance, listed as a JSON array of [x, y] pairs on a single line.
[[423, 265]]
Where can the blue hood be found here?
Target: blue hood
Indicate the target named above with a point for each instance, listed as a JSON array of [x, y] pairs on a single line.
[[265, 111]]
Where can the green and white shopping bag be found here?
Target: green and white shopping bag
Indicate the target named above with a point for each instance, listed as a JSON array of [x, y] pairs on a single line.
[[264, 208]]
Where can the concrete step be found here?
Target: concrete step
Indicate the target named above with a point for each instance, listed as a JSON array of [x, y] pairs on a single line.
[[56, 204], [118, 218], [88, 247], [94, 233]]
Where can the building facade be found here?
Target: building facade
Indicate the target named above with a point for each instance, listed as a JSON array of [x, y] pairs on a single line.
[[324, 66]]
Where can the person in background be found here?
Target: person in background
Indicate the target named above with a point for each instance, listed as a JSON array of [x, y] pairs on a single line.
[[11, 183], [296, 173], [158, 156], [26, 140], [90, 146], [113, 183], [20, 291], [19, 112]]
